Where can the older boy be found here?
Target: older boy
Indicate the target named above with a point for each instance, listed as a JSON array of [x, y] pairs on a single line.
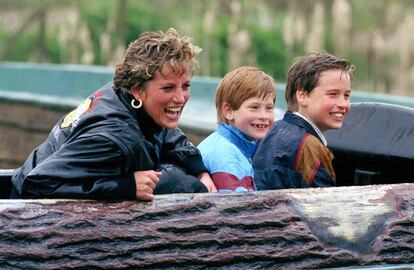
[[244, 101], [294, 153]]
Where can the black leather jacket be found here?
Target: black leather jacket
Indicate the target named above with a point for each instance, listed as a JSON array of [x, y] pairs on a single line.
[[93, 152]]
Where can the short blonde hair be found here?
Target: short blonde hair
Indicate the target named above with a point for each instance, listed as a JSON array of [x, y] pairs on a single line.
[[149, 53], [241, 84]]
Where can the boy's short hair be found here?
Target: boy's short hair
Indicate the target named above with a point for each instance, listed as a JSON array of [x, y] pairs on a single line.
[[304, 74], [241, 84]]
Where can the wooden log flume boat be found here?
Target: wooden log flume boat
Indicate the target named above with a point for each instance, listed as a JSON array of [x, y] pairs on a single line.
[[283, 229]]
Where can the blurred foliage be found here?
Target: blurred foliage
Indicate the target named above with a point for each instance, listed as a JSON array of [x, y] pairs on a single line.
[[266, 33], [271, 56]]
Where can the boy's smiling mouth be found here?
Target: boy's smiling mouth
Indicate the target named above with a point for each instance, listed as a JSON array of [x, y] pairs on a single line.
[[261, 126], [338, 115]]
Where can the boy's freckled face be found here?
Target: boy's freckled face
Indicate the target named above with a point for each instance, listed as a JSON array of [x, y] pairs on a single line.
[[328, 103], [254, 117]]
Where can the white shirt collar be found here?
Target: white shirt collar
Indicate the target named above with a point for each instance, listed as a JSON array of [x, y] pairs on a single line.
[[320, 134]]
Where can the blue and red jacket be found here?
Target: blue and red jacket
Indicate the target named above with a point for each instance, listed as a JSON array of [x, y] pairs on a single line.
[[292, 155], [227, 154]]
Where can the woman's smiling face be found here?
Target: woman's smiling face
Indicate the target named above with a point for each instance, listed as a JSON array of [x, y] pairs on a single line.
[[164, 97]]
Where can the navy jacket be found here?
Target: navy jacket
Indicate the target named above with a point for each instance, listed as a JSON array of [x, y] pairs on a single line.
[[93, 152], [292, 156]]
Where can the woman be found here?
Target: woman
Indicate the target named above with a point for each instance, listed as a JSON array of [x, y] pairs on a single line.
[[114, 144]]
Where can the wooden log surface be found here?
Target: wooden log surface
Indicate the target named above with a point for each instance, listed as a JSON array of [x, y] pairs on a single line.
[[284, 229]]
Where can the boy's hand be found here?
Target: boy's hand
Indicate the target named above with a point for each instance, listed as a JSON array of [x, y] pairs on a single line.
[[207, 181], [145, 182]]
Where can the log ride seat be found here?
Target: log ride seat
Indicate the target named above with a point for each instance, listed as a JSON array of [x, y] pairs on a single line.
[[5, 183], [375, 145]]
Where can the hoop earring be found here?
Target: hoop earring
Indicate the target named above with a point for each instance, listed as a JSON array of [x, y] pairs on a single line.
[[134, 105]]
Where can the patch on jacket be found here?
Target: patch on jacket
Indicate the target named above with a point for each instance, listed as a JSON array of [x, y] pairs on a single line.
[[311, 155], [229, 182], [73, 117]]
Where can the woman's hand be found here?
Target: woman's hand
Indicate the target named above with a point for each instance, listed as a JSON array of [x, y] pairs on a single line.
[[207, 181], [145, 182]]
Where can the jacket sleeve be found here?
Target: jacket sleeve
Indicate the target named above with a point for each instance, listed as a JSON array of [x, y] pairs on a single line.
[[278, 176], [91, 167], [272, 168], [178, 150]]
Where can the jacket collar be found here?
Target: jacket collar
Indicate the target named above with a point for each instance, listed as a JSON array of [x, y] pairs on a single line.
[[236, 137], [302, 121]]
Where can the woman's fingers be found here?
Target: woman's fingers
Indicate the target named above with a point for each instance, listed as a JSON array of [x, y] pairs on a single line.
[[207, 181], [209, 184], [145, 182]]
